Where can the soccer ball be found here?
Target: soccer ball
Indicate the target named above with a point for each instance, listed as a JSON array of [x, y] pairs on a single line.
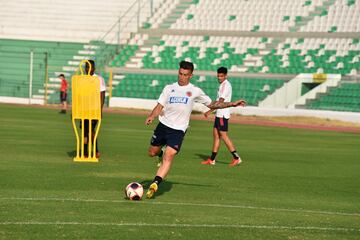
[[134, 191]]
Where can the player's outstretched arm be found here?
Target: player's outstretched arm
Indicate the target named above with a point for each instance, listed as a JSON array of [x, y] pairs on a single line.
[[154, 113], [240, 102], [219, 105], [206, 114]]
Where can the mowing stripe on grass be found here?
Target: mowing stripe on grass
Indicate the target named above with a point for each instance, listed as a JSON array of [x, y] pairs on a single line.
[[272, 227], [187, 204]]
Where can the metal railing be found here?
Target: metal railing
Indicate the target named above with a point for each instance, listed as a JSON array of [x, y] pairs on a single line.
[[105, 52]]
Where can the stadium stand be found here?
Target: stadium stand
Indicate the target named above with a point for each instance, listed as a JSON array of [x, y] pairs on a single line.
[[264, 43], [272, 15], [15, 64], [49, 60], [311, 55], [341, 16], [65, 38], [207, 53], [343, 98], [149, 86], [254, 37], [248, 54], [71, 21], [256, 54]]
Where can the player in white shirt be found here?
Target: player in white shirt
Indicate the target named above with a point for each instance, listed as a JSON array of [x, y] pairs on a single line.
[[174, 109], [91, 70], [220, 130]]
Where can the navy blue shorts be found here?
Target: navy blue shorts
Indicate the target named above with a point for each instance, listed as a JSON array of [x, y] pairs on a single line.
[[164, 135], [221, 124]]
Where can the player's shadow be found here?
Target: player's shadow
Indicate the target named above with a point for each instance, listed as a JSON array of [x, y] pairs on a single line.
[[71, 154], [166, 186], [204, 157]]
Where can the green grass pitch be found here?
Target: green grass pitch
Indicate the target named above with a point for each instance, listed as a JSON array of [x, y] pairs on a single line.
[[292, 184]]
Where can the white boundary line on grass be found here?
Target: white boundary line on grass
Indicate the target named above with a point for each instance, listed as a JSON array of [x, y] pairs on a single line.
[[186, 204], [183, 225]]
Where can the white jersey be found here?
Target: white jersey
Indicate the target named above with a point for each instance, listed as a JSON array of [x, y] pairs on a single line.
[[102, 82], [178, 102], [225, 92]]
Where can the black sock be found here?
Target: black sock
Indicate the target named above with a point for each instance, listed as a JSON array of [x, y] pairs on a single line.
[[161, 153], [235, 154], [213, 155], [157, 180]]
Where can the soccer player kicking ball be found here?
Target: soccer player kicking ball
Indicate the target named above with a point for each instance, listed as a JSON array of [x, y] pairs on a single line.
[[174, 108]]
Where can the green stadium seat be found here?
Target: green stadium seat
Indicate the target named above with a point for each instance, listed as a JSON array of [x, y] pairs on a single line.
[[139, 86], [15, 62], [344, 98]]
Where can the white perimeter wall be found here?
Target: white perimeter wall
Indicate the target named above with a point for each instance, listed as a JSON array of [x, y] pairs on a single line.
[[21, 100], [146, 104]]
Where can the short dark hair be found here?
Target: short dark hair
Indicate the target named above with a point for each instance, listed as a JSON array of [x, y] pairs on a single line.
[[62, 75], [187, 65], [222, 70], [92, 63], [89, 63]]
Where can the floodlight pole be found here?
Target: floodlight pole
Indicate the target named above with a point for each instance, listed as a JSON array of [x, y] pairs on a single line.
[[31, 74], [118, 35], [46, 78]]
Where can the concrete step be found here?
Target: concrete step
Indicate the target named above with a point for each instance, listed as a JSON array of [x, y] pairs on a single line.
[[40, 97], [49, 91], [73, 63], [133, 65], [69, 68], [53, 85], [80, 57], [86, 52], [54, 80], [91, 47]]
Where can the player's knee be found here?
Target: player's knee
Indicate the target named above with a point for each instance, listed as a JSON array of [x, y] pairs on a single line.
[[168, 157], [152, 153], [171, 152], [223, 134]]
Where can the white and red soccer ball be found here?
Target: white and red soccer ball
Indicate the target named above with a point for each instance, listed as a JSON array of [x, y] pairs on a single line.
[[134, 191]]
